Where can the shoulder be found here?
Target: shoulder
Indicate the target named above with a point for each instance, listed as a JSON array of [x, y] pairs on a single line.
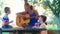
[[5, 17], [35, 11], [43, 25]]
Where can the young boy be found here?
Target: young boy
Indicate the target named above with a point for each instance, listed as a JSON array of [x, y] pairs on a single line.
[[5, 19]]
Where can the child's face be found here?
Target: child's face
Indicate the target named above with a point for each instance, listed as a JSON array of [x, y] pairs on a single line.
[[40, 19], [9, 12]]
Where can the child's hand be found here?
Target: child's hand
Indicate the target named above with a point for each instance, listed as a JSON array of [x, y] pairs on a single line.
[[11, 21]]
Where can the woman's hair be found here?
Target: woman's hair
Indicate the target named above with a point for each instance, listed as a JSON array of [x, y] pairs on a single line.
[[6, 9], [43, 18], [27, 4], [31, 7]]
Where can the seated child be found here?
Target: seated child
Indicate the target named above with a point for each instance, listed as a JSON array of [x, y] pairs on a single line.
[[43, 24], [5, 19], [42, 20]]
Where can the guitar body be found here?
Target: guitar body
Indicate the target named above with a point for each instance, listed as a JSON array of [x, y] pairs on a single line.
[[20, 21]]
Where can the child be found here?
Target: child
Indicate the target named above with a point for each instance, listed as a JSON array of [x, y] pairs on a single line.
[[5, 19], [42, 20], [43, 24]]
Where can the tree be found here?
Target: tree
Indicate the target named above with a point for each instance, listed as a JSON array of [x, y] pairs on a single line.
[[54, 5], [2, 3]]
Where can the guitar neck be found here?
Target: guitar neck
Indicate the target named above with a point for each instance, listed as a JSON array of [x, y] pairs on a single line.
[[31, 17]]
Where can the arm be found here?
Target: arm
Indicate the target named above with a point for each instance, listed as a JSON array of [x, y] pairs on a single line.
[[36, 14], [43, 25], [20, 13], [10, 21]]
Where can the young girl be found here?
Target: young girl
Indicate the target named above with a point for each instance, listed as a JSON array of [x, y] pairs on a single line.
[[42, 20], [43, 24]]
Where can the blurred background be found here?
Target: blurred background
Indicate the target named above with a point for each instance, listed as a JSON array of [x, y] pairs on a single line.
[[50, 8]]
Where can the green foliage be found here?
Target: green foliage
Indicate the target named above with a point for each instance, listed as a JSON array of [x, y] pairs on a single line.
[[54, 6], [51, 27], [0, 12], [1, 9], [5, 32], [33, 2], [2, 3]]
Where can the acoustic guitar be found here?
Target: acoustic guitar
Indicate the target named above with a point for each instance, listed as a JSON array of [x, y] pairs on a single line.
[[22, 20]]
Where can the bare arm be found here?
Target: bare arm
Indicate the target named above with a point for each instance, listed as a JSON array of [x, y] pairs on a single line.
[[10, 21], [36, 14], [21, 13]]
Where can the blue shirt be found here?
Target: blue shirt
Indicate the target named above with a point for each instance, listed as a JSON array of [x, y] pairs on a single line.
[[32, 20], [5, 17], [6, 26]]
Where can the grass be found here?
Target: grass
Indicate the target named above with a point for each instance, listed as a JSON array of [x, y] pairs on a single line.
[[5, 32]]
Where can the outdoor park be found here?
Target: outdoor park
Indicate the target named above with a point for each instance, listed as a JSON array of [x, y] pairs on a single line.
[[49, 8]]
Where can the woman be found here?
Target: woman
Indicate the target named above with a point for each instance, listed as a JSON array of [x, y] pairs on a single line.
[[32, 13], [33, 16], [21, 14]]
